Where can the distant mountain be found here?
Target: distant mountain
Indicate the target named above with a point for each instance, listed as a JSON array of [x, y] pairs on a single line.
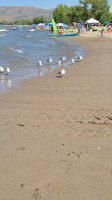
[[13, 13]]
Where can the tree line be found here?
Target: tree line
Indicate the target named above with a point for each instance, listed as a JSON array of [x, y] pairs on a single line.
[[98, 9], [35, 20]]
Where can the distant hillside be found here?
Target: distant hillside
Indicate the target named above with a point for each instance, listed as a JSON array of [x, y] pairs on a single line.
[[13, 13]]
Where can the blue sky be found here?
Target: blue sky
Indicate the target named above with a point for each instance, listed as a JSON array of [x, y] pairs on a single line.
[[41, 3]]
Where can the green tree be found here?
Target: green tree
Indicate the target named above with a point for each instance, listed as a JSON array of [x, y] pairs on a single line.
[[85, 3], [60, 13], [100, 10], [111, 17], [65, 16], [23, 22], [37, 20], [75, 13]]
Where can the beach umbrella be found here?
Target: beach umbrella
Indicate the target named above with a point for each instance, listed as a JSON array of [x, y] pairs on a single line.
[[60, 24], [40, 24], [105, 22], [48, 24]]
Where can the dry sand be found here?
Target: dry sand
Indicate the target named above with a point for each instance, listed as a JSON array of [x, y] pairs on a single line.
[[56, 133]]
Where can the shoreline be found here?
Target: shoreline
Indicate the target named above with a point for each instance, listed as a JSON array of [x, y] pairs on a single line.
[[55, 133], [7, 81]]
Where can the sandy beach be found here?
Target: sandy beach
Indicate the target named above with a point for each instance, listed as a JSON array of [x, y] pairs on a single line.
[[56, 133]]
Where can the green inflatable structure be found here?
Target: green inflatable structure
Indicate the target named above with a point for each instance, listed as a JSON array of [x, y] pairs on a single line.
[[54, 26]]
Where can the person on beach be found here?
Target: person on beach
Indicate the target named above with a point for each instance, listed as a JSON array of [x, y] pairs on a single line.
[[78, 30], [102, 32], [51, 29]]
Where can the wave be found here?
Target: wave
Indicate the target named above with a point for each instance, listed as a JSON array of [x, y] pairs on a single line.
[[15, 50]]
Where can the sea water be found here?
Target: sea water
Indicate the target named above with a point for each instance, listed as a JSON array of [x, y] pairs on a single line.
[[21, 50]]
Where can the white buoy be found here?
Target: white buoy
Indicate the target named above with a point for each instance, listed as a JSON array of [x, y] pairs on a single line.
[[39, 63]]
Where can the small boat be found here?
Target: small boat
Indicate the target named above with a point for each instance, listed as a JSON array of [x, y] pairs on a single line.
[[56, 34], [13, 28], [31, 30], [3, 30], [64, 34]]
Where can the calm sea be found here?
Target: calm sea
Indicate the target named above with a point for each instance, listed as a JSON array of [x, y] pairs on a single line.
[[20, 50]]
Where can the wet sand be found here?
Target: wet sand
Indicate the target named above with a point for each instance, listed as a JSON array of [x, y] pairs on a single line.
[[56, 133]]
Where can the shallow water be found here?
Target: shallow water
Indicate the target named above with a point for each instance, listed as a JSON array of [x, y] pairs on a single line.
[[20, 50]]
